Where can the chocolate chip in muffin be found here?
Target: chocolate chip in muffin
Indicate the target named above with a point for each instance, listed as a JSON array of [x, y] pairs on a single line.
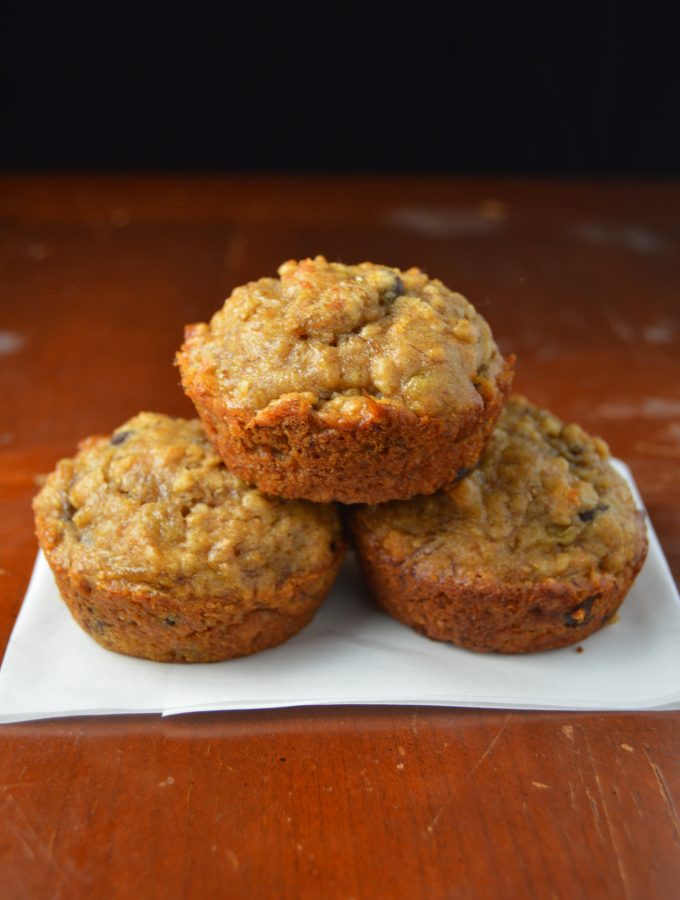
[[98, 626], [119, 437], [396, 289], [581, 614], [589, 514]]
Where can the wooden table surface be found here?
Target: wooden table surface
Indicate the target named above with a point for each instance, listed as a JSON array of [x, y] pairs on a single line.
[[581, 281]]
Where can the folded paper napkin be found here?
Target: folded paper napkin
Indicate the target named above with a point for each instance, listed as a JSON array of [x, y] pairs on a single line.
[[351, 653]]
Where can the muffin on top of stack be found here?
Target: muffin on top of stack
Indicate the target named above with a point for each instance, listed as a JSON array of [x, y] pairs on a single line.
[[362, 385], [358, 384]]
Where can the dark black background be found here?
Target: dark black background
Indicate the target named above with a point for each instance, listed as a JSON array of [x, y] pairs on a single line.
[[488, 88]]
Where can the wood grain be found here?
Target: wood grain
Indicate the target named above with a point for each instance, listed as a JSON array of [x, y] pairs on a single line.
[[98, 277]]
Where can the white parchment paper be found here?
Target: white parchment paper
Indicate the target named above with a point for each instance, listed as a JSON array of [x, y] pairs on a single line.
[[351, 653]]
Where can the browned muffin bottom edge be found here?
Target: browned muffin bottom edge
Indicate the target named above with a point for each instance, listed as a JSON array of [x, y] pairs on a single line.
[[487, 616], [159, 626], [291, 452]]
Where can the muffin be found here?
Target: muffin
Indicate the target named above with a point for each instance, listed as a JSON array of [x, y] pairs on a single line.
[[160, 552], [356, 383], [535, 549]]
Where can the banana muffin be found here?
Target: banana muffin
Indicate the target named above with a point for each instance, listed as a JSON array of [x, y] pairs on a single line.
[[356, 383], [535, 549], [160, 552]]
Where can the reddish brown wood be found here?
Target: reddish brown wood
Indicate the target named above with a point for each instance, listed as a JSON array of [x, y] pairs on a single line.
[[98, 276]]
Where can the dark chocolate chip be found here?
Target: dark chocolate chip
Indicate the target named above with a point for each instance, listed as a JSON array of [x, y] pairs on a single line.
[[170, 621], [462, 472], [580, 615], [396, 289], [119, 437], [576, 449], [589, 514]]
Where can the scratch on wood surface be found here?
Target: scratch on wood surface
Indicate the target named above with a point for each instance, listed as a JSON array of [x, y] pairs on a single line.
[[540, 785], [617, 853], [568, 732], [596, 813], [627, 748], [50, 844], [433, 823], [35, 846], [488, 750], [233, 859], [636, 800], [28, 850], [414, 718], [572, 795], [23, 831], [665, 792]]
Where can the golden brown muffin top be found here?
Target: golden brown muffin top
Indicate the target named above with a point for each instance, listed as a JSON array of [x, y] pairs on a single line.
[[543, 503], [154, 506], [335, 335]]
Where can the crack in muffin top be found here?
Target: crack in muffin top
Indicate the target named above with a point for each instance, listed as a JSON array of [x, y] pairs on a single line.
[[543, 503], [334, 335], [154, 507]]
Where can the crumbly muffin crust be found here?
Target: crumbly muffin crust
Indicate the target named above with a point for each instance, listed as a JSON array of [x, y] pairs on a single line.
[[161, 552], [535, 548], [313, 383]]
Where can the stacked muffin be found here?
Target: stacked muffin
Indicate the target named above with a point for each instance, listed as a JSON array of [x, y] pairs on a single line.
[[360, 385]]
